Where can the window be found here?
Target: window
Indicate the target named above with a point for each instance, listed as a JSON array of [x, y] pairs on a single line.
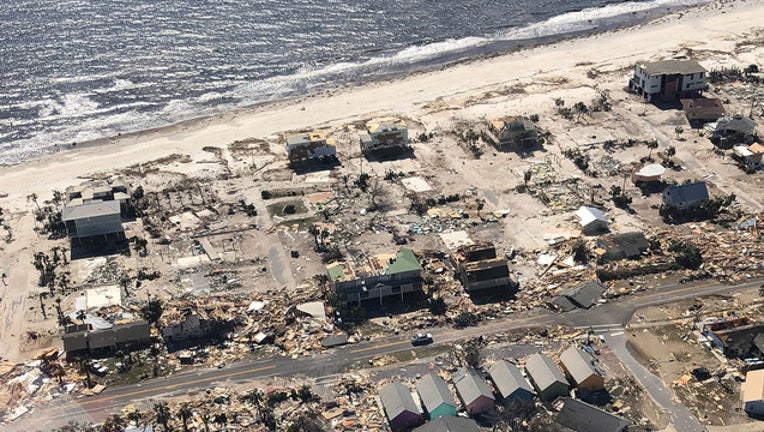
[[396, 290]]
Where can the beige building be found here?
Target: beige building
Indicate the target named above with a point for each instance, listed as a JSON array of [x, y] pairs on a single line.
[[752, 391]]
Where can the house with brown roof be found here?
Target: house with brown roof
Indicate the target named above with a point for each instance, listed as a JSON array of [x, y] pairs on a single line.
[[700, 111], [582, 369]]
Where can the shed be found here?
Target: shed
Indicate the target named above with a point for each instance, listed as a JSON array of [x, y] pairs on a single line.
[[685, 196], [752, 391], [449, 424], [473, 391], [625, 245], [592, 220], [546, 377], [402, 412], [582, 417], [702, 110], [436, 397], [510, 383], [582, 369]]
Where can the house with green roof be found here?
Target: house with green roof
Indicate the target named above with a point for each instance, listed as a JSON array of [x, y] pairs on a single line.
[[376, 277]]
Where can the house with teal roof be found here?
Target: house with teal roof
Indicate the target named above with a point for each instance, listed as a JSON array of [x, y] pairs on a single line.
[[376, 277]]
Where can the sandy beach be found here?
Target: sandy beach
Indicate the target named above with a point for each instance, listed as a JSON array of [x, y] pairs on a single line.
[[715, 27]]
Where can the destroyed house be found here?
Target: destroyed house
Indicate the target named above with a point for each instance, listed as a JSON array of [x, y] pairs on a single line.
[[436, 397], [582, 369], [750, 156], [449, 424], [473, 391], [583, 295], [752, 391], [478, 268], [668, 79], [377, 277], [313, 146], [734, 337], [685, 196], [130, 335], [700, 111], [623, 246], [510, 383], [515, 133], [385, 135], [582, 417], [400, 408], [546, 377]]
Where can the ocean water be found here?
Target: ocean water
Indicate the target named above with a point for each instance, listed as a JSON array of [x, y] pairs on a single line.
[[77, 70]]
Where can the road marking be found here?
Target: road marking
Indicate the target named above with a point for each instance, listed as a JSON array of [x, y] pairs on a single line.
[[170, 386], [616, 334], [376, 347]]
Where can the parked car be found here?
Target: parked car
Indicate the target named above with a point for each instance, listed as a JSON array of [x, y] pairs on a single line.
[[421, 339]]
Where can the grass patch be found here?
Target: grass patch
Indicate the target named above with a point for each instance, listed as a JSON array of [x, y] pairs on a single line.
[[302, 224]]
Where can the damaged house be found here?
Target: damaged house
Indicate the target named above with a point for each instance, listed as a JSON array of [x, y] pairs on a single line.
[[513, 133], [735, 337], [377, 277], [623, 246], [310, 147], [187, 327], [583, 295], [478, 268], [700, 111], [728, 131], [388, 135]]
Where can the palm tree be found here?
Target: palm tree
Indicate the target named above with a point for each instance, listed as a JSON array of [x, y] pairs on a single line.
[[255, 397], [220, 419], [163, 414], [206, 420], [134, 416], [33, 198], [185, 413], [113, 423], [652, 145]]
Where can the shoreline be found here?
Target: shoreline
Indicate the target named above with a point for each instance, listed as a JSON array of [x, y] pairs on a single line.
[[493, 49], [150, 144]]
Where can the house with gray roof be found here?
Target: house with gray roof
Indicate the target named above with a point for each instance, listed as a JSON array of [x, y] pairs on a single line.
[[449, 424], [668, 80], [582, 369], [95, 219], [732, 130], [685, 196], [582, 417], [546, 377], [401, 410], [473, 391], [583, 295], [134, 334], [435, 396], [510, 383]]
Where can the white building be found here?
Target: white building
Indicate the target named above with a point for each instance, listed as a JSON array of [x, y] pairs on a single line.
[[668, 79], [752, 391], [591, 220]]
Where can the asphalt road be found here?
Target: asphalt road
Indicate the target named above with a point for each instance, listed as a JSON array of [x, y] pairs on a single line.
[[97, 408]]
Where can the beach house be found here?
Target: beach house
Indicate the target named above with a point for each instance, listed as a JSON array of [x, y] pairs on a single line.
[[668, 80], [376, 277], [310, 147], [401, 410], [546, 377], [510, 383], [385, 135], [436, 397], [473, 391]]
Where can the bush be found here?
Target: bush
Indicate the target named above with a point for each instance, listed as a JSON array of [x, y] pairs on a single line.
[[265, 195], [686, 254], [534, 118]]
